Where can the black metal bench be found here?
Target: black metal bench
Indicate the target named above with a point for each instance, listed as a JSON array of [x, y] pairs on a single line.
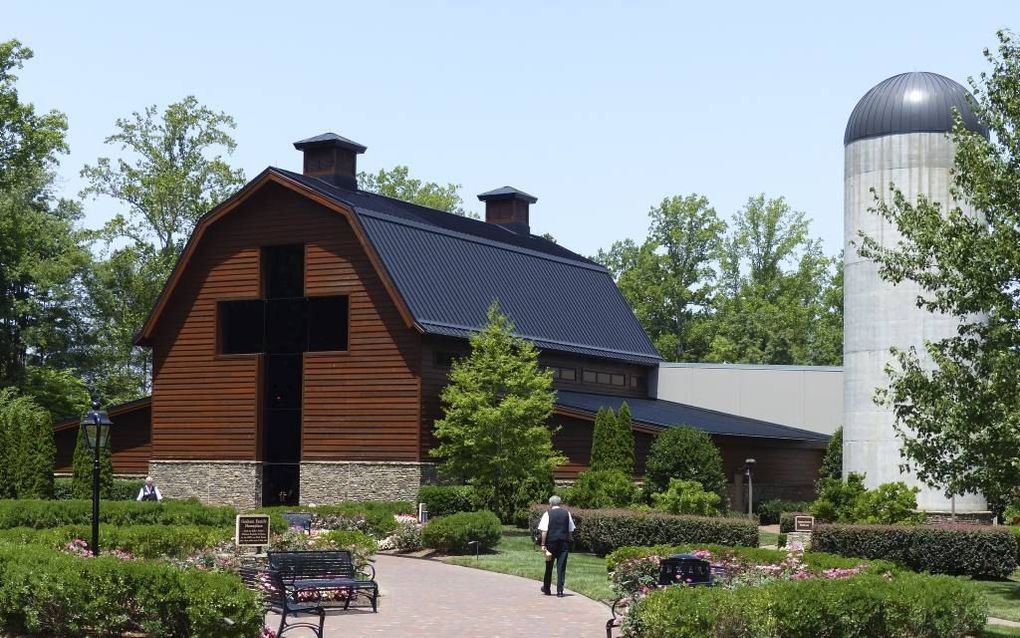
[[326, 578], [270, 588]]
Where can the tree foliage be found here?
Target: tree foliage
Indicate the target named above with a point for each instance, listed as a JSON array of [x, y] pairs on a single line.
[[687, 497], [832, 462], [956, 403], [29, 450], [687, 454], [494, 433], [398, 184], [596, 489], [84, 456], [625, 439]]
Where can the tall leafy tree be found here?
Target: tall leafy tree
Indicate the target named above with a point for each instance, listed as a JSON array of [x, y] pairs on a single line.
[[780, 299], [603, 441], [398, 184], [958, 414], [669, 278], [494, 432], [41, 256], [171, 172]]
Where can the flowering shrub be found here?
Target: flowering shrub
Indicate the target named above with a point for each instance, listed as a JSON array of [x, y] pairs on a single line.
[[406, 538], [80, 547]]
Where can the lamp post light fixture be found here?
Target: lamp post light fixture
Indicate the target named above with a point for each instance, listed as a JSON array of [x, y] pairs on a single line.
[[749, 473], [97, 431]]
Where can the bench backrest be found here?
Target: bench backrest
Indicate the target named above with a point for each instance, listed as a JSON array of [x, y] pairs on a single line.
[[313, 564]]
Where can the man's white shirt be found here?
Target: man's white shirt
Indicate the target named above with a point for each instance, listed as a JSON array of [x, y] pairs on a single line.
[[543, 525]]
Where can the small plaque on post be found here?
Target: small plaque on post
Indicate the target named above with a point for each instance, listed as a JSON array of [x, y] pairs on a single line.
[[251, 530], [804, 524]]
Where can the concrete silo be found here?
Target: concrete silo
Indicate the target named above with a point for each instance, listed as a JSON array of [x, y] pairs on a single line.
[[896, 134]]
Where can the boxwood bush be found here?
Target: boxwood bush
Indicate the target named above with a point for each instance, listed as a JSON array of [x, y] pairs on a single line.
[[755, 555], [453, 533], [42, 514], [602, 531], [441, 500], [965, 550], [867, 606], [44, 592], [121, 490], [144, 541]]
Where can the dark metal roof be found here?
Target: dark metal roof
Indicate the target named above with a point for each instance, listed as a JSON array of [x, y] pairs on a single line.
[[917, 102], [661, 413], [507, 192], [330, 139], [449, 269]]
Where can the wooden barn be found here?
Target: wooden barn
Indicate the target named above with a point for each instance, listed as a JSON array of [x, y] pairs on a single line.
[[301, 343]]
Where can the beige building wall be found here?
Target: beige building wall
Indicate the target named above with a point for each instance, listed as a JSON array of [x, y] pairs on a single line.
[[808, 397]]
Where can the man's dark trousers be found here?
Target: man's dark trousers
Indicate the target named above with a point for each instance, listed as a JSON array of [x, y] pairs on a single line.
[[559, 549]]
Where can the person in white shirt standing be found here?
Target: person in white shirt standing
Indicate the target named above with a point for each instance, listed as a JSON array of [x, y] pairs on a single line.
[[149, 491], [557, 527]]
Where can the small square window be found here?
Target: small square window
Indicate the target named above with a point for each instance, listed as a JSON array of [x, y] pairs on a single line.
[[242, 324], [568, 374], [603, 378], [590, 376], [618, 379]]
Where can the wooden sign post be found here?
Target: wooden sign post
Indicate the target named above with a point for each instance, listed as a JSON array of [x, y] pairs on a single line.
[[252, 530], [804, 524]]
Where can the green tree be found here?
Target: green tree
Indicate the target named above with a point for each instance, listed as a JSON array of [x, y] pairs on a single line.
[[669, 279], [687, 454], [780, 299], [171, 173], [602, 488], [40, 253], [837, 499], [832, 462], [625, 439], [956, 405], [603, 441], [29, 450], [494, 433], [398, 184], [81, 481]]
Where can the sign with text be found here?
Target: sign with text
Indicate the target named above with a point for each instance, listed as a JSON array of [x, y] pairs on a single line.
[[251, 530], [804, 524]]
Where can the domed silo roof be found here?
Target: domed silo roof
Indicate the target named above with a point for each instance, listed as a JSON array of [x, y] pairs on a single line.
[[917, 102]]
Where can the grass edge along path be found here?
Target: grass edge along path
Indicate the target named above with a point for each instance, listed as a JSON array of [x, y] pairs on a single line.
[[1003, 596], [517, 555]]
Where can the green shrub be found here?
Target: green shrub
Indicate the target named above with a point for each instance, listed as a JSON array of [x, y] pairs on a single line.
[[601, 488], [966, 550], [42, 514], [120, 489], [684, 453], [832, 463], [1015, 531], [1011, 515], [755, 555], [837, 499], [44, 592], [441, 500], [453, 533], [361, 545], [144, 541], [81, 466], [770, 511], [371, 517], [870, 606], [686, 497], [888, 504], [31, 451], [602, 531]]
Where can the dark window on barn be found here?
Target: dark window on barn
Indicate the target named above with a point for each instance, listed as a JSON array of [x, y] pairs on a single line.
[[590, 376], [284, 268], [282, 436], [242, 324], [603, 378], [286, 325], [283, 382], [568, 374], [618, 379], [327, 323], [637, 381]]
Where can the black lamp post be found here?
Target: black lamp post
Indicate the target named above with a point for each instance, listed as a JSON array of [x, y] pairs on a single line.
[[749, 472], [97, 430]]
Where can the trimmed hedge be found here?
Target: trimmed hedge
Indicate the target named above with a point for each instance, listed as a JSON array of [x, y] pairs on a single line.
[[441, 500], [871, 606], [121, 490], [962, 550], [755, 555], [44, 592], [602, 531], [453, 533], [44, 514], [371, 517], [144, 541]]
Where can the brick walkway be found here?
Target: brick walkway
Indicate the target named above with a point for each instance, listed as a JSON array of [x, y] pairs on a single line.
[[429, 598]]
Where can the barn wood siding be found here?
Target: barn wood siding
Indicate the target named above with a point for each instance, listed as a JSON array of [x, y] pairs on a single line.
[[129, 440], [360, 404]]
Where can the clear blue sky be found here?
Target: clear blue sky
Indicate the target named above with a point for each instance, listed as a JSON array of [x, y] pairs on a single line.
[[599, 109]]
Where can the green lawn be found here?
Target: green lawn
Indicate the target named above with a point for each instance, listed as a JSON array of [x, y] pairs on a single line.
[[767, 538], [994, 631], [586, 573], [1003, 597]]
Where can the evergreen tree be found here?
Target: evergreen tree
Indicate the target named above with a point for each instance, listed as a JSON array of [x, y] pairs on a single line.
[[603, 441], [39, 451], [832, 464], [687, 454], [494, 432], [8, 458], [625, 440]]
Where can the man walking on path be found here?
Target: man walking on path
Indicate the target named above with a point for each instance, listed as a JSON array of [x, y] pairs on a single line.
[[556, 526]]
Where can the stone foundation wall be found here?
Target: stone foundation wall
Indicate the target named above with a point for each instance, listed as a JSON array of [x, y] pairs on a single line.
[[236, 483], [972, 518], [327, 482]]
